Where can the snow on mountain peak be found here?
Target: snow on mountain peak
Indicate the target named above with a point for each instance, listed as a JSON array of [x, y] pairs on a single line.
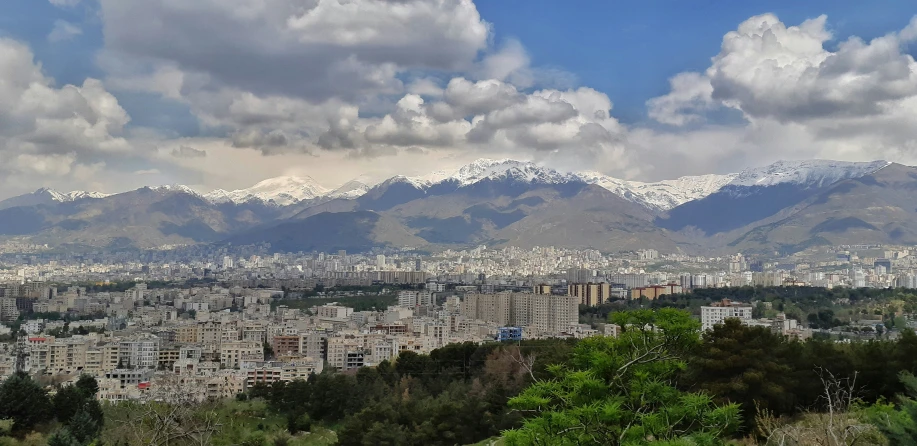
[[523, 171], [69, 196], [350, 190], [812, 173], [282, 191], [661, 195]]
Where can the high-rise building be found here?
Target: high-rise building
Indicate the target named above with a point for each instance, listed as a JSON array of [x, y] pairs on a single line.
[[542, 289], [630, 281], [590, 294], [380, 261], [538, 313], [580, 275], [719, 312]]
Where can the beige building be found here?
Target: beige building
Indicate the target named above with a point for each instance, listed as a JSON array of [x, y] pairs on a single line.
[[233, 353], [590, 294], [539, 313]]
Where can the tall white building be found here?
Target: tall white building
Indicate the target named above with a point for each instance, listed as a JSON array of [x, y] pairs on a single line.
[[410, 298], [139, 353], [380, 260], [716, 314]]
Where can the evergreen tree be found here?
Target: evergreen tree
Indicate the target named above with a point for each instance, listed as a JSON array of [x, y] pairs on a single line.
[[747, 366], [67, 402], [63, 437], [23, 401], [619, 391], [84, 427], [898, 424], [88, 385]]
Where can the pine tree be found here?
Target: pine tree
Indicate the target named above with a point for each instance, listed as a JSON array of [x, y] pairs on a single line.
[[620, 391], [23, 401]]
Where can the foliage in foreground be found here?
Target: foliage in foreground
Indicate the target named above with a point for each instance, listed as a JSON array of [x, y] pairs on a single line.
[[618, 391]]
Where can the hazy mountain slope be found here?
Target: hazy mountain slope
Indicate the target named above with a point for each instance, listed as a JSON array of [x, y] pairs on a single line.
[[758, 193], [356, 231], [144, 218], [877, 208], [46, 196], [593, 218]]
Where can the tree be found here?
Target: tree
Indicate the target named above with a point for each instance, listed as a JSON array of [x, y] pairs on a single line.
[[84, 427], [67, 402], [745, 365], [620, 390], [88, 385], [23, 401], [898, 424], [63, 437]]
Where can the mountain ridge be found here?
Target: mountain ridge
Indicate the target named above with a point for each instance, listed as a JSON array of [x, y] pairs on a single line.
[[496, 202], [660, 196]]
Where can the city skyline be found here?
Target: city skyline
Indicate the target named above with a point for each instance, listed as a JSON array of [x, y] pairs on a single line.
[[106, 107]]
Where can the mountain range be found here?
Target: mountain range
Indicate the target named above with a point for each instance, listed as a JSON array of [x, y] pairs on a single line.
[[784, 207]]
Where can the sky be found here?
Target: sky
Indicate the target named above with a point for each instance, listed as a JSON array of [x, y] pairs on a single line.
[[111, 95]]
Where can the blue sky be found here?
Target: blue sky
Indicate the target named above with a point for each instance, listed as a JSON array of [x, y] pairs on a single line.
[[281, 91], [630, 49]]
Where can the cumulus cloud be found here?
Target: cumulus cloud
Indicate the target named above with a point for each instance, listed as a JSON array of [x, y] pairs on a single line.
[[799, 99], [50, 130], [345, 85], [316, 51], [63, 30], [766, 69], [188, 152]]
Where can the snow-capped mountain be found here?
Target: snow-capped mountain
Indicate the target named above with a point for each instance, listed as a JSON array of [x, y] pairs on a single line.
[[282, 191], [501, 169], [661, 195], [65, 197], [812, 173], [48, 196], [350, 190]]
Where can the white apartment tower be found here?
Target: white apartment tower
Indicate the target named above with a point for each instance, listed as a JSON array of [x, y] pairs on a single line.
[[719, 312]]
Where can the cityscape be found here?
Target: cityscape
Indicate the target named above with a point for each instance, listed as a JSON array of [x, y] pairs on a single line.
[[458, 223]]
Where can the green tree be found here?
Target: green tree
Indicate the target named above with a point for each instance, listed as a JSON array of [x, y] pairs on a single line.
[[67, 402], [621, 390], [745, 365], [84, 427], [63, 437], [898, 424], [23, 401], [88, 385]]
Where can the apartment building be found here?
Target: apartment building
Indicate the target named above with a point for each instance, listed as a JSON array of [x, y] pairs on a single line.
[[590, 294], [539, 313], [233, 353], [411, 298], [334, 312], [139, 353], [285, 344], [720, 311]]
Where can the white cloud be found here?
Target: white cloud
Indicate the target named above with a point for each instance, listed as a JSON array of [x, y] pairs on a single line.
[[48, 130], [335, 89], [327, 48], [766, 69], [799, 99], [63, 30]]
